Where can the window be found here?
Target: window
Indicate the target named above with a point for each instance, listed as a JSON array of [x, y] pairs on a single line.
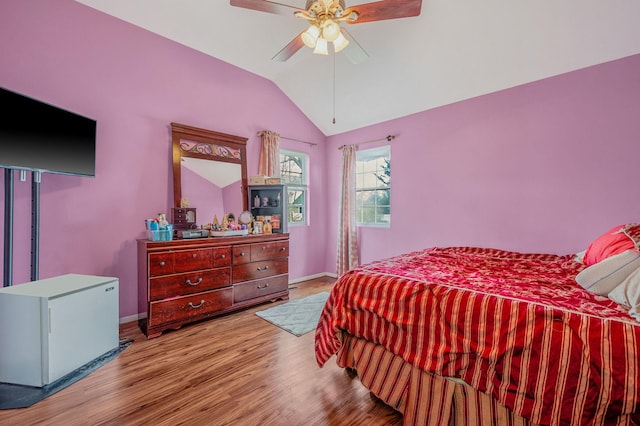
[[293, 171], [373, 186]]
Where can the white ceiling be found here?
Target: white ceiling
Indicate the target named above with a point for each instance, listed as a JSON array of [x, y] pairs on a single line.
[[455, 49]]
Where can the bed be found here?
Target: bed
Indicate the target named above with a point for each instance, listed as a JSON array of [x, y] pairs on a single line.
[[468, 335]]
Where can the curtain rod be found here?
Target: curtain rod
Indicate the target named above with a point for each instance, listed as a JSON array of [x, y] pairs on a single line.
[[292, 139], [388, 138]]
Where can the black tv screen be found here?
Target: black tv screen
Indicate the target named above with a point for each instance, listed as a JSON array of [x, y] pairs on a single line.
[[38, 136]]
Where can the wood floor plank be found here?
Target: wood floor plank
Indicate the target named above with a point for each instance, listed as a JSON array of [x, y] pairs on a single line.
[[233, 370]]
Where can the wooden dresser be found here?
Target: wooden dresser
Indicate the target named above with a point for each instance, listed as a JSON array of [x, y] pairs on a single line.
[[183, 281]]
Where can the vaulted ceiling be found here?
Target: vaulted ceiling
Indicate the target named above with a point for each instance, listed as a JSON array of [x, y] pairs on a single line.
[[454, 50]]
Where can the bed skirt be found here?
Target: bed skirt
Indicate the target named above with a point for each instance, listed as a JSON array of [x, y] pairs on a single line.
[[421, 397]]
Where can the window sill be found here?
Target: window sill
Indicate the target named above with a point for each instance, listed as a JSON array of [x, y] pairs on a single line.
[[373, 225]]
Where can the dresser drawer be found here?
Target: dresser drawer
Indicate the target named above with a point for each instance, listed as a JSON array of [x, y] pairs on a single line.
[[241, 254], [187, 307], [257, 270], [188, 283], [221, 256], [259, 288], [183, 281], [160, 264], [181, 223], [262, 251], [192, 260]]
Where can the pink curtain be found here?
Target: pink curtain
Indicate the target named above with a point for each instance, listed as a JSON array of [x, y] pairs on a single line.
[[269, 154], [347, 231]]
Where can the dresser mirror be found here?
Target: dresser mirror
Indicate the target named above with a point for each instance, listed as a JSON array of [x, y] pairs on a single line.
[[209, 171]]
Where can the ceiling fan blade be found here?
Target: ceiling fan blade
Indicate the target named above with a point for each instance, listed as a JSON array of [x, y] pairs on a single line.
[[385, 9], [354, 52], [289, 50], [265, 6]]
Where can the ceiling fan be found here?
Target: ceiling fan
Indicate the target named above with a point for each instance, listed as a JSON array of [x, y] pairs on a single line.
[[324, 17]]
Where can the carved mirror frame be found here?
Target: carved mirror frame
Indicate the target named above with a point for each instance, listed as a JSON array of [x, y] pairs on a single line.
[[189, 141]]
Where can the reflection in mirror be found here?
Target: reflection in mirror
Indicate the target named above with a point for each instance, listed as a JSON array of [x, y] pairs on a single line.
[[210, 170], [214, 187]]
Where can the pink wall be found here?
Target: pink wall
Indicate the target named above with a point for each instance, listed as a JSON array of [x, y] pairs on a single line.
[[134, 83], [544, 167]]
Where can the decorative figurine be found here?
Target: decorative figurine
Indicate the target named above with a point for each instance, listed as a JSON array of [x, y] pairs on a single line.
[[162, 221], [231, 222], [266, 227]]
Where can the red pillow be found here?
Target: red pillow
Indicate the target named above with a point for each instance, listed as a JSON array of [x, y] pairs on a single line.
[[611, 242]]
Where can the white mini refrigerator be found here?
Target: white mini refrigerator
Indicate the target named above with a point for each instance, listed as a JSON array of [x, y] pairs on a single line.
[[50, 327]]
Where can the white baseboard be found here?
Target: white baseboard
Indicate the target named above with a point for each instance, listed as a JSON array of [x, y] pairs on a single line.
[[311, 277], [132, 318]]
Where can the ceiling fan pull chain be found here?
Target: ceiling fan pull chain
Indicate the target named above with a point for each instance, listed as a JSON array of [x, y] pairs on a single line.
[[334, 87]]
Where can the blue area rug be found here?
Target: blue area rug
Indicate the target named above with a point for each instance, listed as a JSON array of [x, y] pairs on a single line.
[[298, 316], [20, 396]]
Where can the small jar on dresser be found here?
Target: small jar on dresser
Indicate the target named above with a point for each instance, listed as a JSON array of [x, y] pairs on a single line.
[[183, 281]]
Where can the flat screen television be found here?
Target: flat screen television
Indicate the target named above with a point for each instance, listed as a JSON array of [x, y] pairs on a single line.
[[37, 136]]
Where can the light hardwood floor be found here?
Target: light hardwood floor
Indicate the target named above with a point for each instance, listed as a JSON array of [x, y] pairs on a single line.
[[233, 370]]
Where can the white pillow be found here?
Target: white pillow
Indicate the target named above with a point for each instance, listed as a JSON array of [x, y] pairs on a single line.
[[602, 277], [628, 293]]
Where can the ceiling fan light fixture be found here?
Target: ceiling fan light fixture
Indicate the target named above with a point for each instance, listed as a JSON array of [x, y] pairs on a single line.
[[340, 43], [330, 30], [332, 13], [310, 36], [321, 47]]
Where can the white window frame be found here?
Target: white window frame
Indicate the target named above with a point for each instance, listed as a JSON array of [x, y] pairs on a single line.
[[301, 186], [378, 155]]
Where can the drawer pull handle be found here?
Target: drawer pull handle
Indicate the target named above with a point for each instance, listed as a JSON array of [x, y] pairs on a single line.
[[262, 287], [242, 254], [162, 264], [196, 283], [264, 247], [191, 305], [194, 255], [263, 269], [282, 249], [223, 256]]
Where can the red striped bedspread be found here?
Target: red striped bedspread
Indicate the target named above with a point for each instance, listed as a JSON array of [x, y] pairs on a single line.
[[516, 326]]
